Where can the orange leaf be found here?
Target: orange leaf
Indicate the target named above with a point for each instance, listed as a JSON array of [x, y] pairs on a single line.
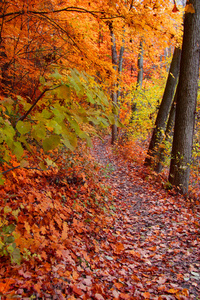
[[124, 296], [77, 291], [185, 292], [4, 287], [146, 295], [75, 275], [27, 227], [153, 248], [85, 255], [118, 285], [135, 278], [190, 8], [134, 253], [37, 287], [65, 231], [172, 291], [118, 248]]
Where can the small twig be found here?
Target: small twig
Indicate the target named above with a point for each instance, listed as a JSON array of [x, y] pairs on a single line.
[[4, 172], [27, 168]]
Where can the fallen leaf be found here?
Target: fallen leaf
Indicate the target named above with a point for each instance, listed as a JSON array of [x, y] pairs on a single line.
[[77, 291], [146, 295], [172, 291]]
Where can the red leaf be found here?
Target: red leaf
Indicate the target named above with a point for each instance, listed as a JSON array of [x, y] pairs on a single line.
[[175, 9], [77, 291]]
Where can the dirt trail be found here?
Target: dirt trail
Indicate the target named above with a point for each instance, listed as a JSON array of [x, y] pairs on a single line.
[[157, 236]]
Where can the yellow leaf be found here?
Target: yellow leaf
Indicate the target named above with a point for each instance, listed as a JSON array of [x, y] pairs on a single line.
[[172, 291]]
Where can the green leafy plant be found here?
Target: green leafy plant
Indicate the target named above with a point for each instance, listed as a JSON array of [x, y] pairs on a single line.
[[69, 108], [8, 235]]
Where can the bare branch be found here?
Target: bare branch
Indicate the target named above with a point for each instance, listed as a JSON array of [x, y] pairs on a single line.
[[27, 168]]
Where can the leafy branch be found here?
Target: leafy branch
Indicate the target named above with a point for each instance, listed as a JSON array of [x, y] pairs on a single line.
[[22, 118]]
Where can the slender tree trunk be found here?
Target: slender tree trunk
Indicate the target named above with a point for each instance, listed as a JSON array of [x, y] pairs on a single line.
[[114, 87], [186, 100], [165, 106], [120, 63], [140, 65], [117, 66], [168, 137]]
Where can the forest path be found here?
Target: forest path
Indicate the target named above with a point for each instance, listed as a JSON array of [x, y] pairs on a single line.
[[157, 235]]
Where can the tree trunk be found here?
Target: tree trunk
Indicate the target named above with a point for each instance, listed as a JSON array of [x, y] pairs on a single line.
[[165, 106], [140, 66], [117, 66], [114, 87], [186, 99], [168, 137], [120, 63]]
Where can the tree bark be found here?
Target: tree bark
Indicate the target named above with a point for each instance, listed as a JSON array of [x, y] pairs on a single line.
[[163, 113], [186, 100], [168, 137], [120, 63], [140, 65], [117, 66], [114, 87]]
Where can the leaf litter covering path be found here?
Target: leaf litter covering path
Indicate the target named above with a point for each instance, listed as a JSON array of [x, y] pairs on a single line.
[[153, 249], [74, 247]]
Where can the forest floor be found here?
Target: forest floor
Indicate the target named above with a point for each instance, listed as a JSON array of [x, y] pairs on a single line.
[[114, 233]]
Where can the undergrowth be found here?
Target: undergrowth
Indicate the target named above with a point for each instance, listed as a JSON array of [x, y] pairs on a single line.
[[46, 218]]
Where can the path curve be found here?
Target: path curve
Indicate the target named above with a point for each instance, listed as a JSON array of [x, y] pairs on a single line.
[[158, 236]]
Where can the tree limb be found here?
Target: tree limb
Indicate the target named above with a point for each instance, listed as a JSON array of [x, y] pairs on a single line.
[[34, 104]]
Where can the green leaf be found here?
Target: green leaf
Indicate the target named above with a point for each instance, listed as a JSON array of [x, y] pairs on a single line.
[[50, 162], [90, 97], [15, 256], [9, 239], [111, 119], [56, 75], [23, 127], [73, 140], [18, 150], [119, 124], [42, 166], [63, 91], [42, 80], [46, 114], [59, 112], [51, 142], [55, 126], [94, 120], [67, 143], [8, 229], [8, 103], [2, 180], [39, 131], [74, 124]]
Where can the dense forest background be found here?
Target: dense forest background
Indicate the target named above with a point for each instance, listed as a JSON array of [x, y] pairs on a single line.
[[75, 76]]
